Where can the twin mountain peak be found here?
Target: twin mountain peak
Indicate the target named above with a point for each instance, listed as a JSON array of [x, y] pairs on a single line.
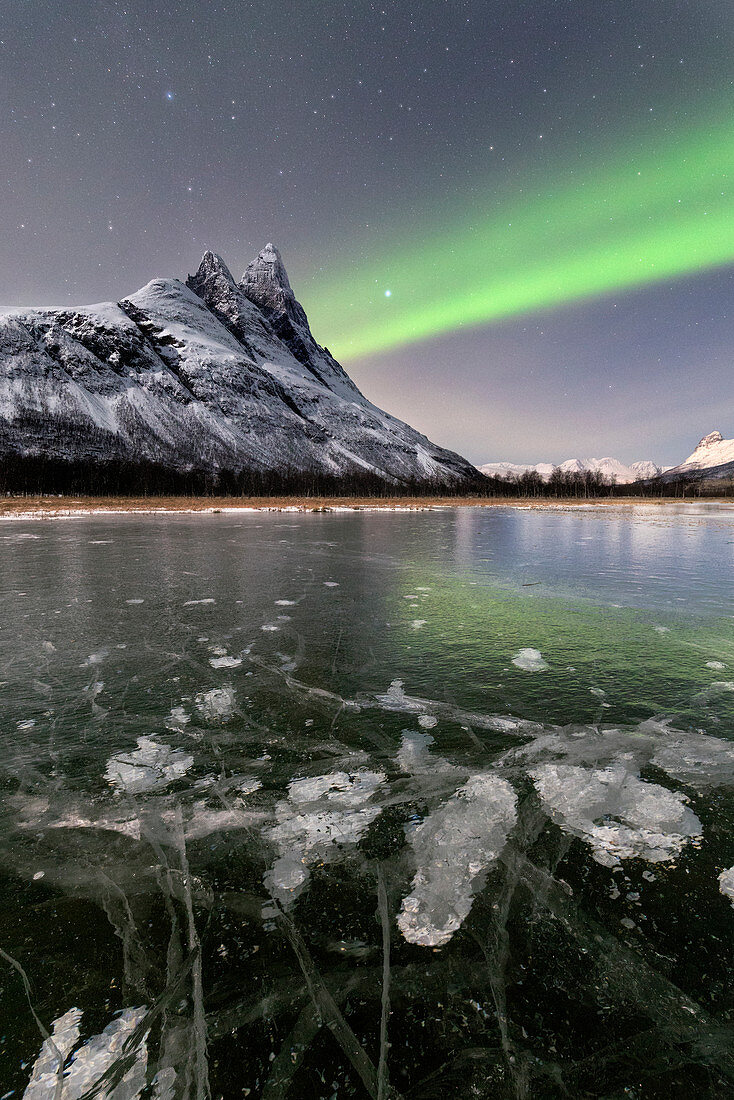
[[209, 375]]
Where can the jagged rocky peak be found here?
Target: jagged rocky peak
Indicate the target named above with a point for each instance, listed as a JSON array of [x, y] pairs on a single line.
[[266, 283], [710, 439], [211, 271]]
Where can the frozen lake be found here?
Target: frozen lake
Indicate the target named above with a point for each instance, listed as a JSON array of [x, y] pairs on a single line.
[[368, 804]]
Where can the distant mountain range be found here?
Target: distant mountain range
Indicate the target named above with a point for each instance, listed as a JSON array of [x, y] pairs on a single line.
[[211, 375], [712, 458], [608, 467]]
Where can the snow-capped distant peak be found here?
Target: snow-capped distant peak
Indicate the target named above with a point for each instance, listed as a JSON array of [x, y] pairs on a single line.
[[713, 450], [709, 440]]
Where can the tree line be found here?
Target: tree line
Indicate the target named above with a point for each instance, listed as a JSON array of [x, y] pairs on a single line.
[[42, 475]]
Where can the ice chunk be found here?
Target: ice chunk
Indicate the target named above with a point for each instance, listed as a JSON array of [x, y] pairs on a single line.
[[427, 721], [65, 1034], [320, 815], [697, 760], [718, 665], [217, 704], [148, 768], [530, 660], [225, 662], [95, 658], [726, 883], [618, 815], [90, 1061], [396, 699], [454, 847]]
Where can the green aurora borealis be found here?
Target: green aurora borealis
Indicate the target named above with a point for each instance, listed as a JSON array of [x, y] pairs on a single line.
[[611, 223]]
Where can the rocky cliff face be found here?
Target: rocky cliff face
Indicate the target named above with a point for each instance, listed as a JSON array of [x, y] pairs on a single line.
[[205, 375]]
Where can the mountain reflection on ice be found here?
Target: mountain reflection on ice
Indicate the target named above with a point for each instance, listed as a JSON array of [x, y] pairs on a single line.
[[366, 860]]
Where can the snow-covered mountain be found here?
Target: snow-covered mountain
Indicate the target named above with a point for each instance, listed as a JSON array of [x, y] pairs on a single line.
[[608, 467], [205, 375], [713, 457]]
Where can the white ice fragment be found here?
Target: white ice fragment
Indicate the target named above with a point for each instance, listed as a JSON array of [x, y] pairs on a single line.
[[269, 628], [90, 1062], [65, 1034], [178, 717], [135, 601], [726, 883], [697, 760], [149, 767], [331, 584], [396, 699], [418, 623], [427, 721], [618, 815], [662, 629], [192, 603], [320, 815], [26, 724], [225, 662], [454, 847], [530, 660], [95, 658], [285, 603], [718, 665], [217, 704]]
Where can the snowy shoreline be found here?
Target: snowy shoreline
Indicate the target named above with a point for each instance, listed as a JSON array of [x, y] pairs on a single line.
[[93, 508]]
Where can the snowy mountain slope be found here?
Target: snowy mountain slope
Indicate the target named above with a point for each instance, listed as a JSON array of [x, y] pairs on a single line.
[[608, 467], [203, 376], [713, 457]]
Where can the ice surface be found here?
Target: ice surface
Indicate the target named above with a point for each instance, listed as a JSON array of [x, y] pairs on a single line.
[[453, 848]]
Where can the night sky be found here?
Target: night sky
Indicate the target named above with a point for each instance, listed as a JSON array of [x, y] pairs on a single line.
[[512, 222]]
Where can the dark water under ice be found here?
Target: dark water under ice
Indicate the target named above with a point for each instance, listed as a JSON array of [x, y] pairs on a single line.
[[356, 804]]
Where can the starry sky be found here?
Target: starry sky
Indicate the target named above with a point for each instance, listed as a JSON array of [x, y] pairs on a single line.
[[513, 222]]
